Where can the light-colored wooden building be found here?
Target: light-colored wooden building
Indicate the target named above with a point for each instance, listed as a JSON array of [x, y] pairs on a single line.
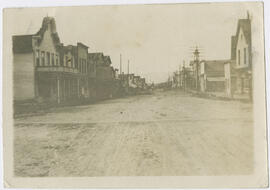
[[243, 56]]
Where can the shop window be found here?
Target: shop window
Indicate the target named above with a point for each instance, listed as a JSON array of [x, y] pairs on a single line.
[[82, 66], [76, 64]]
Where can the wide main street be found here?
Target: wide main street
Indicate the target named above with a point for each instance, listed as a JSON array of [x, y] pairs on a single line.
[[166, 133]]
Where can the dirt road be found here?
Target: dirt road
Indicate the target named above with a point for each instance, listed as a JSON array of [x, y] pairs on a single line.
[[167, 133]]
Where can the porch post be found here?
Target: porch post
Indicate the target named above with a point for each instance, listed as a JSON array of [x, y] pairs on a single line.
[[58, 90], [36, 85], [78, 87], [65, 90]]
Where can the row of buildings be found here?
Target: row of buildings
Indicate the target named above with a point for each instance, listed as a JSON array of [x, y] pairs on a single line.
[[231, 77], [49, 71]]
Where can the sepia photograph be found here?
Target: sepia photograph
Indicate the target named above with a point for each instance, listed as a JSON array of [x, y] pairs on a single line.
[[150, 90]]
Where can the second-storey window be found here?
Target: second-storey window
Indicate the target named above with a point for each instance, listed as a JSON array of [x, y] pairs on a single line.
[[52, 59], [42, 58], [72, 62], [80, 62], [48, 59], [66, 62], [56, 59], [37, 58], [62, 61], [82, 65], [86, 66], [76, 64], [245, 55], [239, 57]]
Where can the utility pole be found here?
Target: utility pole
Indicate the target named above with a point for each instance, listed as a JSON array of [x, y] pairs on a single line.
[[128, 76], [185, 76], [120, 64], [196, 61], [128, 67]]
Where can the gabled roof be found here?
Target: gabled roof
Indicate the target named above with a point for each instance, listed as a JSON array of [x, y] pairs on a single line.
[[191, 63], [22, 44], [246, 27], [107, 60], [81, 44], [95, 57], [45, 24], [70, 48], [188, 69]]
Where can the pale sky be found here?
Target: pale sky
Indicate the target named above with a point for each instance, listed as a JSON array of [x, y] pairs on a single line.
[[155, 38]]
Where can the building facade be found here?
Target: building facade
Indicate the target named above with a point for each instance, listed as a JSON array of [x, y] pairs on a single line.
[[212, 76], [243, 56], [47, 71], [105, 78], [40, 55]]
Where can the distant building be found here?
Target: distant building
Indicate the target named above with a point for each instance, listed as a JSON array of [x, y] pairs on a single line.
[[81, 64], [132, 84], [176, 80], [105, 77], [195, 67], [124, 83], [68, 83], [211, 75], [92, 60], [142, 84], [186, 78]]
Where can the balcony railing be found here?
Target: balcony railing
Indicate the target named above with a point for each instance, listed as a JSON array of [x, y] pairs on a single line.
[[57, 69]]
